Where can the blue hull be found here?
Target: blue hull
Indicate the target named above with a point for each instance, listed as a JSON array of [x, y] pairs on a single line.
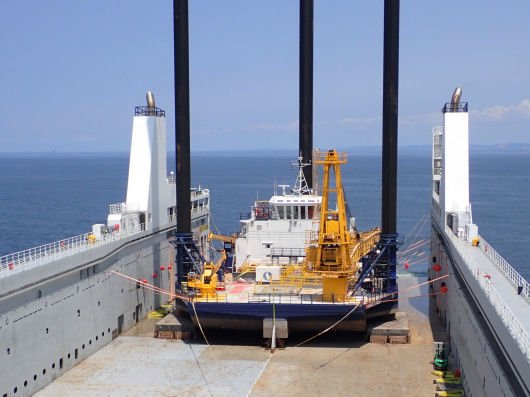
[[300, 317]]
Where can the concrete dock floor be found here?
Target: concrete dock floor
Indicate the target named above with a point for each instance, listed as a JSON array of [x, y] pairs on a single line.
[[136, 364]]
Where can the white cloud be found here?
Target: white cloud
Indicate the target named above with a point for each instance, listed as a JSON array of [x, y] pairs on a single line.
[[524, 107], [359, 121], [502, 112], [430, 118], [274, 127], [495, 113], [491, 113]]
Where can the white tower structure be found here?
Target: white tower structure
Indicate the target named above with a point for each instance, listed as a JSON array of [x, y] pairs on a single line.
[[454, 192], [148, 190]]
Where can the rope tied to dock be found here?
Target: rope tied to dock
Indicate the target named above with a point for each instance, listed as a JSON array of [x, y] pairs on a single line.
[[198, 322], [330, 327]]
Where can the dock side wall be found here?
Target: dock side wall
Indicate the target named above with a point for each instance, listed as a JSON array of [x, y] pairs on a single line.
[[491, 362], [48, 327]]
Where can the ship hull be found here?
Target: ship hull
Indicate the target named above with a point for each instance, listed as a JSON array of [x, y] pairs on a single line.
[[60, 313], [488, 356], [301, 318]]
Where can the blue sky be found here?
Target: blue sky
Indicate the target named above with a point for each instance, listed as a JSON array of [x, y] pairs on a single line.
[[72, 72]]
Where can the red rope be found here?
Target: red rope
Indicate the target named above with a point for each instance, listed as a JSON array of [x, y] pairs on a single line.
[[413, 247], [151, 287], [413, 263]]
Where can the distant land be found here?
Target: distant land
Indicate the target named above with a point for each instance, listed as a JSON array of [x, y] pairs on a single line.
[[420, 150]]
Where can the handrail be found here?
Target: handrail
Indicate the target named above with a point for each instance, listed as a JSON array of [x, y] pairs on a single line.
[[514, 326], [517, 280], [37, 256], [149, 111]]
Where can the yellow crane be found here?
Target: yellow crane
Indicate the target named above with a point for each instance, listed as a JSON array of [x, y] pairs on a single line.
[[224, 239], [206, 282], [335, 253]]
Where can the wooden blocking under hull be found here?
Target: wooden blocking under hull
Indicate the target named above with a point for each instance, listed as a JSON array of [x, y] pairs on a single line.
[[174, 326], [282, 330], [173, 335], [381, 339], [394, 331], [398, 339]]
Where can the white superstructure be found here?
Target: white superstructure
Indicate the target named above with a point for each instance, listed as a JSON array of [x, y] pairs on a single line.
[[276, 230], [486, 306], [454, 183], [63, 301]]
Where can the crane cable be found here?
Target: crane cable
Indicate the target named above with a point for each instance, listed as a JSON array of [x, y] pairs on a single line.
[[414, 228], [421, 228]]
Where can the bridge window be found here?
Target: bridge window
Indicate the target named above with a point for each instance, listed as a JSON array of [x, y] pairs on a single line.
[[281, 213], [302, 212]]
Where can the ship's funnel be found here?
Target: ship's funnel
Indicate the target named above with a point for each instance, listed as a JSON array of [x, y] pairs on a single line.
[[306, 88], [455, 99], [150, 103]]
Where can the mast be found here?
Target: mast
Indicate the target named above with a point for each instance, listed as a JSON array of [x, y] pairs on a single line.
[[390, 117], [385, 269], [306, 88], [182, 114]]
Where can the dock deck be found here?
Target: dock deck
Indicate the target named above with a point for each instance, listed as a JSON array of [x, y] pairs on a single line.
[[507, 291], [348, 365]]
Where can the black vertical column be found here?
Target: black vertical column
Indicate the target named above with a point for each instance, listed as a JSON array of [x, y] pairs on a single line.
[[306, 87], [390, 117], [182, 114]]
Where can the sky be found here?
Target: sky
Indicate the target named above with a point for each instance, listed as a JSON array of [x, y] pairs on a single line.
[[72, 72]]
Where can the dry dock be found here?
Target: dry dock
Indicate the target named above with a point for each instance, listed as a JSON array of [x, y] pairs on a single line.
[[136, 365]]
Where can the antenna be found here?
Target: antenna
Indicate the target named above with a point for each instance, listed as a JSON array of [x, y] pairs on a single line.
[[283, 188], [300, 186]]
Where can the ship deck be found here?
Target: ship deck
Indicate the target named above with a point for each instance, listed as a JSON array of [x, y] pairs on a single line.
[[518, 303], [249, 292], [348, 365], [507, 290]]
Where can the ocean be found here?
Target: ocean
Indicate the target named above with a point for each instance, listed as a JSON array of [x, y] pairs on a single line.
[[48, 197]]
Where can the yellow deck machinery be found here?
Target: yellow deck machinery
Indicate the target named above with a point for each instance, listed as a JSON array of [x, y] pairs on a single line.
[[335, 253]]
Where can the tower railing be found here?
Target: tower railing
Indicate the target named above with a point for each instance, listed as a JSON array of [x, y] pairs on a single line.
[[511, 274], [149, 111], [455, 107]]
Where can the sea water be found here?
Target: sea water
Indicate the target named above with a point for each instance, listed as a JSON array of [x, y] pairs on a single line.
[[45, 198]]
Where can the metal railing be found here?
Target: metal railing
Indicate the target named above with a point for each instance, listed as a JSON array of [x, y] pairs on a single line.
[[149, 111], [363, 299], [199, 209], [288, 252], [511, 274], [455, 107], [37, 256], [197, 193], [514, 326], [119, 208]]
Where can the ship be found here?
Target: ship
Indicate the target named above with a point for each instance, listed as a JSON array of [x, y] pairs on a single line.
[[60, 303], [65, 300], [274, 231], [342, 276], [486, 304]]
